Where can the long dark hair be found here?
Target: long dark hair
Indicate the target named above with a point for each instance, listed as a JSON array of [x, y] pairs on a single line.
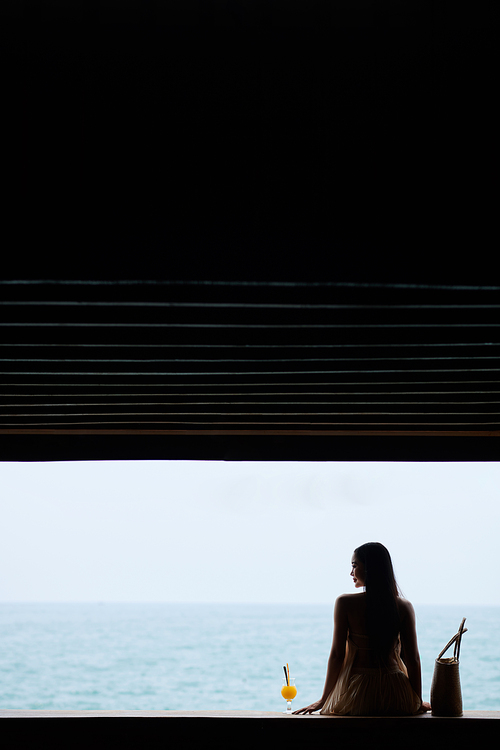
[[382, 593]]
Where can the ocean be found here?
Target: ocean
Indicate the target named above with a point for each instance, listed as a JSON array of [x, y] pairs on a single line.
[[207, 656]]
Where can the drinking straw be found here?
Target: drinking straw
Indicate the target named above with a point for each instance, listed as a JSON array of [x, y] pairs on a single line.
[[286, 676]]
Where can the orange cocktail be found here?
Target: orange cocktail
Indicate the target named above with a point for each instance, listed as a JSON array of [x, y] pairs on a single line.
[[288, 691]]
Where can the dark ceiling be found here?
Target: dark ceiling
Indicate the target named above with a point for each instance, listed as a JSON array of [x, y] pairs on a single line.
[[247, 231]]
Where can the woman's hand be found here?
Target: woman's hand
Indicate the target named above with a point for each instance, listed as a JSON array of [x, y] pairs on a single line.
[[424, 706], [311, 709]]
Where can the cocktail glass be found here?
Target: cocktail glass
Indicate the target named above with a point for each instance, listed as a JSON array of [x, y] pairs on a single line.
[[288, 691]]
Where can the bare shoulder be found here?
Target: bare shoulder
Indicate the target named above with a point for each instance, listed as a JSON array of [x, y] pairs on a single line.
[[406, 610], [343, 611], [347, 597], [347, 601]]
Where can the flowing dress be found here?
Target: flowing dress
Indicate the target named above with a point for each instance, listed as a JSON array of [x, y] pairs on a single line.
[[381, 691]]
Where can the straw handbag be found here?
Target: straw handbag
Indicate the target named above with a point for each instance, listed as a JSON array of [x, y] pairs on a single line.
[[446, 695]]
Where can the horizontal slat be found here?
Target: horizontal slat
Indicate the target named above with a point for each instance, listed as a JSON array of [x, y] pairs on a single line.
[[131, 346], [252, 284], [253, 338], [31, 324], [230, 360], [256, 424], [278, 396], [245, 305], [319, 414], [275, 402], [280, 432], [450, 385]]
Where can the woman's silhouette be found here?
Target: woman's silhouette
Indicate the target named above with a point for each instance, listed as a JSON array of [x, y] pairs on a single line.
[[374, 664]]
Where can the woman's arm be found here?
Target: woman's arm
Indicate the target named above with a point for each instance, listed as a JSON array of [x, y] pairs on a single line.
[[411, 656], [336, 658]]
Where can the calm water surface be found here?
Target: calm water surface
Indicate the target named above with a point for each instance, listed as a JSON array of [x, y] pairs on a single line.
[[206, 656]]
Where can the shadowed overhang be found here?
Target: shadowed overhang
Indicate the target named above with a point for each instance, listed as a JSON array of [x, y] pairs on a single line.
[[249, 231], [205, 369]]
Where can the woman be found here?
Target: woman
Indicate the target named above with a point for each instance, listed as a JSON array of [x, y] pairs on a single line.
[[374, 664]]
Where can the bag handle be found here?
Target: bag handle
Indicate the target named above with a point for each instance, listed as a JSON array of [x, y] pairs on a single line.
[[456, 639], [458, 642]]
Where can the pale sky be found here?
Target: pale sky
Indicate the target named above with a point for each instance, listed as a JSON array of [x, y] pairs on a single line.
[[215, 531]]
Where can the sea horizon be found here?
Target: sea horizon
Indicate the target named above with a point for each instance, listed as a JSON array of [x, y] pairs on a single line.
[[103, 655]]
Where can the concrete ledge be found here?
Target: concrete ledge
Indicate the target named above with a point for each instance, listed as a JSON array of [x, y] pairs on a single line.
[[227, 729], [21, 713]]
